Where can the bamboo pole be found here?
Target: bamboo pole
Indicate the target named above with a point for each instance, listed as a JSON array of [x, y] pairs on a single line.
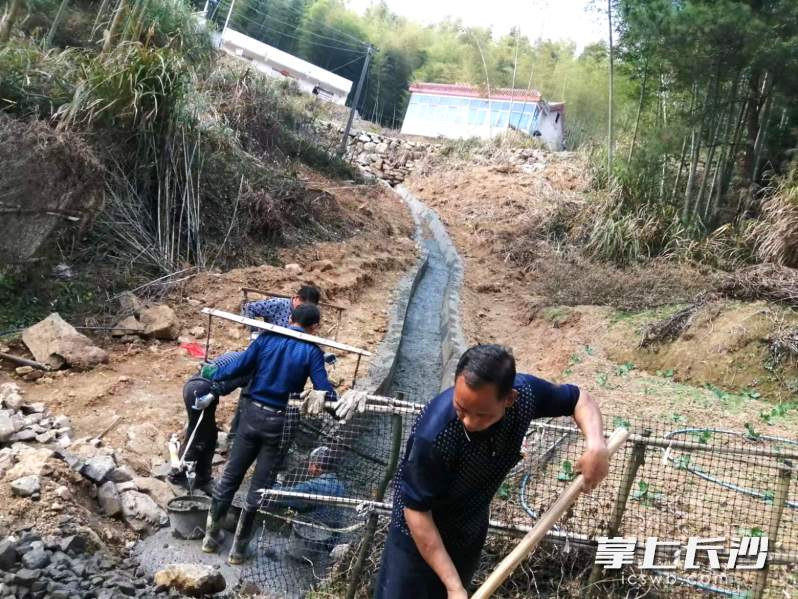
[[114, 27], [57, 21], [531, 540], [371, 525], [636, 459], [776, 512]]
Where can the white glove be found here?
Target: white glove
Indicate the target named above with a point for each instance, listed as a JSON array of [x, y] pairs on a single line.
[[350, 403], [200, 403], [312, 402]]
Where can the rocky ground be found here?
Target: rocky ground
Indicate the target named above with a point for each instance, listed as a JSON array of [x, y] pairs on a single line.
[[59, 479]]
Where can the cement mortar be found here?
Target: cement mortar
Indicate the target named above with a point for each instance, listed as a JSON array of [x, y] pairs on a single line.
[[419, 360]]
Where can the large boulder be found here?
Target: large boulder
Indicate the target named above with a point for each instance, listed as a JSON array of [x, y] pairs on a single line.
[[160, 491], [141, 513], [160, 322], [109, 499], [131, 322], [191, 580], [56, 343]]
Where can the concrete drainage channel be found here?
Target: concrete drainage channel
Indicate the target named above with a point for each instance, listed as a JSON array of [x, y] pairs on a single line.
[[418, 357]]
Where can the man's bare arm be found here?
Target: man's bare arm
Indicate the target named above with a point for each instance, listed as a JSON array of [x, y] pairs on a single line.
[[430, 545], [594, 463]]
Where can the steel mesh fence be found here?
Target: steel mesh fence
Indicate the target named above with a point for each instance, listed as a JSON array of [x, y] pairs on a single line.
[[682, 482]]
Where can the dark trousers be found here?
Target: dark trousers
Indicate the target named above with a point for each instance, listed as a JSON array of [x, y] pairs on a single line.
[[242, 399], [404, 573], [204, 444], [261, 438]]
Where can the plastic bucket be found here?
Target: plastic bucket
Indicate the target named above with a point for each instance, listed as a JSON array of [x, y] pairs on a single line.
[[188, 515]]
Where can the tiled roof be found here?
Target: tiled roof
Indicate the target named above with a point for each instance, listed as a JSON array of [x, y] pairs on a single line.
[[470, 91]]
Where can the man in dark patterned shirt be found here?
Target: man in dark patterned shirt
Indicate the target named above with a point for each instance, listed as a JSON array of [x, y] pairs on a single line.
[[463, 445], [277, 310]]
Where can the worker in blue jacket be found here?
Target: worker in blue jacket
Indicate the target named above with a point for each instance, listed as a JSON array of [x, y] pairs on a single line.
[[280, 367]]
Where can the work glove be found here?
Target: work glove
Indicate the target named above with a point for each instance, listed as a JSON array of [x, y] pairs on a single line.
[[312, 402], [200, 403], [350, 403]]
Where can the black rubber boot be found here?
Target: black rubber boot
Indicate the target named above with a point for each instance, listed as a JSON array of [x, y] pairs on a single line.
[[213, 527], [238, 554]]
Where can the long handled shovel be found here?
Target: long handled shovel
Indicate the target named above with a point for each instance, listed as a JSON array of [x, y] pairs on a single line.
[[534, 536]]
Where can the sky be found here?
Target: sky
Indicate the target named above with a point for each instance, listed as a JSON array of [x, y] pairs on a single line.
[[557, 19]]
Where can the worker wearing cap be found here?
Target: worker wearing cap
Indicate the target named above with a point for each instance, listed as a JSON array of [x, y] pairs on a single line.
[[461, 448], [280, 366], [315, 537]]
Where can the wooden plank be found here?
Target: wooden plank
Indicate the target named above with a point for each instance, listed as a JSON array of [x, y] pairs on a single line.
[[259, 324], [547, 521], [283, 296]]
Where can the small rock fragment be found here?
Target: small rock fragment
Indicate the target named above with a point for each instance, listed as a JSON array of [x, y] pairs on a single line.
[[26, 486]]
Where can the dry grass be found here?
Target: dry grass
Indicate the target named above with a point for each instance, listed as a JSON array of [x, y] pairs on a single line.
[[762, 282], [776, 236]]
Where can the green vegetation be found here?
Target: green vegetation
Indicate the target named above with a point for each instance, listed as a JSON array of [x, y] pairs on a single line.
[[646, 494], [566, 474], [618, 422]]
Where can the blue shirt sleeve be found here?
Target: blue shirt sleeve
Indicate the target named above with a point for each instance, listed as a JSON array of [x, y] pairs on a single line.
[[423, 476], [318, 374], [242, 367], [550, 400]]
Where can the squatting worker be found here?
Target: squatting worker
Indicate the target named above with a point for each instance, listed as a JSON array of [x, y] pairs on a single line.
[[203, 445], [279, 366], [276, 311], [464, 443]]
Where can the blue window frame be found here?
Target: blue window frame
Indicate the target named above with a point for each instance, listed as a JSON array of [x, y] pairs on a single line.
[[451, 114], [472, 116], [461, 115], [421, 110], [441, 113], [481, 116], [433, 100], [444, 101], [474, 103], [524, 122], [530, 108], [423, 99], [515, 119], [431, 112], [505, 106], [503, 118], [414, 98]]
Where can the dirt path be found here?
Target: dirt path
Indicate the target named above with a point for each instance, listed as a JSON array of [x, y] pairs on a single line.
[[144, 379]]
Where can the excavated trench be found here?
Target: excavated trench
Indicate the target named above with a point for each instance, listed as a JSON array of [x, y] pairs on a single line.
[[417, 357]]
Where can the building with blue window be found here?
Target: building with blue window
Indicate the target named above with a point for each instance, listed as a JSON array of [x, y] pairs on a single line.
[[460, 110]]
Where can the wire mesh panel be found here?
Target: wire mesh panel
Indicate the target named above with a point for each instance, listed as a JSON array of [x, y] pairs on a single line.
[[298, 542], [671, 483]]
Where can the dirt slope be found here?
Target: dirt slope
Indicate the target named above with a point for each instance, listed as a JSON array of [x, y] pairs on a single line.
[[143, 380], [487, 210]]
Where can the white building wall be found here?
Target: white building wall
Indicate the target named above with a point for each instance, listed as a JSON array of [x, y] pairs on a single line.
[[551, 131], [271, 61]]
